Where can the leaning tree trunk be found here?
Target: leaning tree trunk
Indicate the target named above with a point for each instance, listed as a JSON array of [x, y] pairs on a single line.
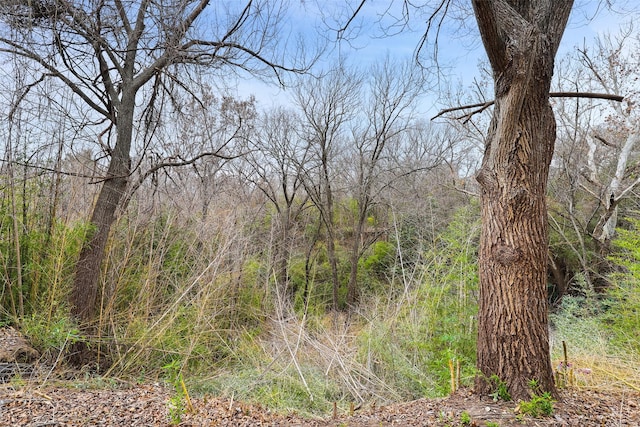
[[521, 39], [85, 286]]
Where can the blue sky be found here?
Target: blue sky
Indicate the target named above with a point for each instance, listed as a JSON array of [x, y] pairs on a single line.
[[460, 49]]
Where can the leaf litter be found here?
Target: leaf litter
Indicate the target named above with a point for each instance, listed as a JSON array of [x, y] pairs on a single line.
[[148, 405]]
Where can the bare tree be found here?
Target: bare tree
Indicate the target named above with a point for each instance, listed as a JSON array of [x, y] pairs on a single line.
[[277, 156], [387, 116], [327, 107], [106, 52], [612, 69], [200, 134]]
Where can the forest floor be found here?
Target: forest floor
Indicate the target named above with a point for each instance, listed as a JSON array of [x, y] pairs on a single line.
[[37, 398], [149, 405]]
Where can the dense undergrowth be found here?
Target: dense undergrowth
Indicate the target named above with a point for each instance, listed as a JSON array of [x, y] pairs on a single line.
[[201, 298]]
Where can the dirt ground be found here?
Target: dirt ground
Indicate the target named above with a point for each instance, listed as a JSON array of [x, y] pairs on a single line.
[[148, 405], [49, 401]]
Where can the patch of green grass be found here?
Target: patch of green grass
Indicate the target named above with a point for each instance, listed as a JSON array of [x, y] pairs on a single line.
[[278, 387], [50, 335]]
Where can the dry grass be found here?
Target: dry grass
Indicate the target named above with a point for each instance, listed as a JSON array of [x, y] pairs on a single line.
[[604, 373], [594, 363]]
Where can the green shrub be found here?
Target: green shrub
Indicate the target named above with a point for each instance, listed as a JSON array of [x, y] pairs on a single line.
[[622, 316], [380, 259], [465, 418], [50, 335]]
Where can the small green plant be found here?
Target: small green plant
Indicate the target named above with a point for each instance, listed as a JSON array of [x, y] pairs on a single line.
[[540, 405], [50, 334], [500, 389], [492, 424], [17, 382], [465, 418], [180, 402]]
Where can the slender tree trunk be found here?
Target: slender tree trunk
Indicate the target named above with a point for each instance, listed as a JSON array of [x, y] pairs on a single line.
[[352, 286], [85, 286], [281, 252], [521, 39], [327, 217], [558, 268], [333, 264], [308, 264]]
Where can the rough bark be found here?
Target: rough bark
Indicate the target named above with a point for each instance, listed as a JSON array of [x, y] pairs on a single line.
[[521, 39], [86, 281]]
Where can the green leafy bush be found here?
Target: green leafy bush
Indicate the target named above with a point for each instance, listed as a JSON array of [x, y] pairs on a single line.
[[50, 335], [622, 316], [381, 257]]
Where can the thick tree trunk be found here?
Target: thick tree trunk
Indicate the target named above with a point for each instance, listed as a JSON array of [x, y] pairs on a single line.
[[513, 340], [521, 39], [86, 282]]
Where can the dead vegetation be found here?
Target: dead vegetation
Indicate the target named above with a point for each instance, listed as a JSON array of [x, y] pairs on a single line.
[[600, 393]]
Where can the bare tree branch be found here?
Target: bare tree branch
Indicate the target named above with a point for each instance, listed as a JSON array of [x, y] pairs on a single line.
[[353, 16], [52, 170], [21, 51], [604, 141], [481, 106]]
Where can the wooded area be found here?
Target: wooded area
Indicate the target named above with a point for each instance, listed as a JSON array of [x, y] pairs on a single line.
[[339, 245]]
